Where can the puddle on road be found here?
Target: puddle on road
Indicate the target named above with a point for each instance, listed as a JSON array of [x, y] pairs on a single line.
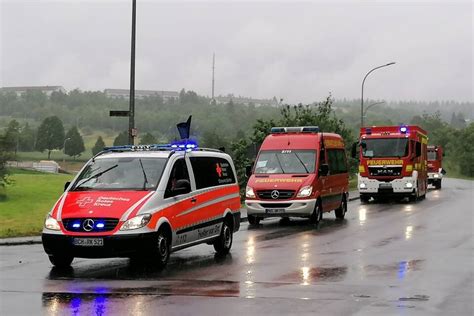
[[415, 298], [400, 268], [307, 275]]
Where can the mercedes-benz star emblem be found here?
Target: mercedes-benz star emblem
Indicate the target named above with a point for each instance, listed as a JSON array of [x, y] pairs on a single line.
[[275, 194], [88, 225]]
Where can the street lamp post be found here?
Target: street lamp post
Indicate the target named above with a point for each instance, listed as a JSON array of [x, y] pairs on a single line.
[[64, 149], [362, 94], [371, 105]]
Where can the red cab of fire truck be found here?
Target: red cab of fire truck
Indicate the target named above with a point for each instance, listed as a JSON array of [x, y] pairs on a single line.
[[392, 162], [435, 166], [299, 172]]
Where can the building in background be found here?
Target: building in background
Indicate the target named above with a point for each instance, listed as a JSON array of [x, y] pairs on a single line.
[[47, 90], [141, 94], [246, 100]]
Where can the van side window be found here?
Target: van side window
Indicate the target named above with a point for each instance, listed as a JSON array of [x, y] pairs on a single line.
[[211, 171], [179, 172], [337, 161]]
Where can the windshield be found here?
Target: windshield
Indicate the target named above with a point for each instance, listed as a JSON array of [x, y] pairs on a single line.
[[431, 155], [385, 147], [286, 161], [121, 174]]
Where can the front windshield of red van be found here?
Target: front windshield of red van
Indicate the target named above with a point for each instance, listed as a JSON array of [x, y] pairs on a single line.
[[115, 174], [432, 155], [286, 161]]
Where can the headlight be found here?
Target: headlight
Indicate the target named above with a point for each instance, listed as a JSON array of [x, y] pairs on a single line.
[[409, 185], [436, 175], [136, 222], [362, 186], [51, 223], [305, 191], [249, 192]]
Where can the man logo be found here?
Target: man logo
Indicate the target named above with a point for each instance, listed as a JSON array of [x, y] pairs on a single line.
[[275, 194], [88, 225], [84, 201]]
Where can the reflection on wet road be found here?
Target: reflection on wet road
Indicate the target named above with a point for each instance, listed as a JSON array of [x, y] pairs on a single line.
[[390, 258]]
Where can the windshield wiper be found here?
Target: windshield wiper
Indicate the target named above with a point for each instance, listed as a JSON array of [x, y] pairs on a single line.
[[279, 163], [144, 174], [94, 176], [299, 159]]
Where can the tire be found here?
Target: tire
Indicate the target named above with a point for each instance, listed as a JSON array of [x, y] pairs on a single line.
[[438, 184], [341, 210], [253, 220], [317, 214], [162, 249], [364, 199], [61, 261], [223, 243]]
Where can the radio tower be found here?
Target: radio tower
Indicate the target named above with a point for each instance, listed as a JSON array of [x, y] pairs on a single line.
[[213, 67]]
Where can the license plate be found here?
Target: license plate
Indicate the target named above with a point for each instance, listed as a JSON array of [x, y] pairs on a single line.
[[88, 242], [385, 185], [274, 210]]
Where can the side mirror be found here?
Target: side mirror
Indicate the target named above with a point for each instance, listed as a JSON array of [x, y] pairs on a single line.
[[354, 150], [418, 149], [182, 187], [66, 185], [444, 154], [323, 170], [248, 171]]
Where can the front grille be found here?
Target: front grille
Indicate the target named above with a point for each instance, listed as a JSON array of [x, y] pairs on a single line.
[[282, 194], [385, 171], [109, 224], [275, 205]]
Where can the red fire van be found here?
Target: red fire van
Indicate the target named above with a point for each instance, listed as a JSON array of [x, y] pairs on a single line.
[[299, 172]]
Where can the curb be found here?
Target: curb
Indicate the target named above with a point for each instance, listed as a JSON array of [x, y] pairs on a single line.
[[36, 240]]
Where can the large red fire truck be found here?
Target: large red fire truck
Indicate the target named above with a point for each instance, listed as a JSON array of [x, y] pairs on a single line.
[[435, 166], [393, 162]]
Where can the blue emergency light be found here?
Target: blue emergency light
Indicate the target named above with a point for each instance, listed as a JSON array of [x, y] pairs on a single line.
[[403, 129], [100, 225], [76, 225], [368, 130], [181, 145]]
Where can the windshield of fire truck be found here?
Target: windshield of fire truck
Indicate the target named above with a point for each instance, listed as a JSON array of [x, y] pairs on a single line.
[[385, 147], [112, 174], [431, 155], [286, 161]]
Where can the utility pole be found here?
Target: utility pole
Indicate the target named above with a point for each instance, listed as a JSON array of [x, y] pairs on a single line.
[[131, 117], [213, 68]]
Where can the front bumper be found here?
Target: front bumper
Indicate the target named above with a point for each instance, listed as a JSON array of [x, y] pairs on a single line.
[[113, 246], [404, 186], [286, 208]]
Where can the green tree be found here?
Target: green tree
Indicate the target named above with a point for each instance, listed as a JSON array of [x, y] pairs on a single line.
[[50, 135], [121, 139], [12, 136], [74, 146], [465, 151], [5, 154], [147, 139], [99, 146], [27, 138]]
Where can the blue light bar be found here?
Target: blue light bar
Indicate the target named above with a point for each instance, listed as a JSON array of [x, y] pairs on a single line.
[[294, 129], [368, 131], [180, 145]]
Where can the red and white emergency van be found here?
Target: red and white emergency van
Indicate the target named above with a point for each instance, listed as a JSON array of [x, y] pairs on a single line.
[[145, 202], [392, 162], [435, 166], [299, 172]]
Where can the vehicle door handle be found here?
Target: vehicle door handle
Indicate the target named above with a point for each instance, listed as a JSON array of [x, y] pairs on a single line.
[[193, 200]]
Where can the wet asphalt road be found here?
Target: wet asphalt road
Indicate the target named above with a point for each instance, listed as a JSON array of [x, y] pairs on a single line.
[[383, 259]]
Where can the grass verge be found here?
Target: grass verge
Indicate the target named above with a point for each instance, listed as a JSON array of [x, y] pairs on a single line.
[[26, 202]]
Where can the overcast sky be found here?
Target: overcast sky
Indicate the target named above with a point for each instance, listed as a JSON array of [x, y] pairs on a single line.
[[296, 51]]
